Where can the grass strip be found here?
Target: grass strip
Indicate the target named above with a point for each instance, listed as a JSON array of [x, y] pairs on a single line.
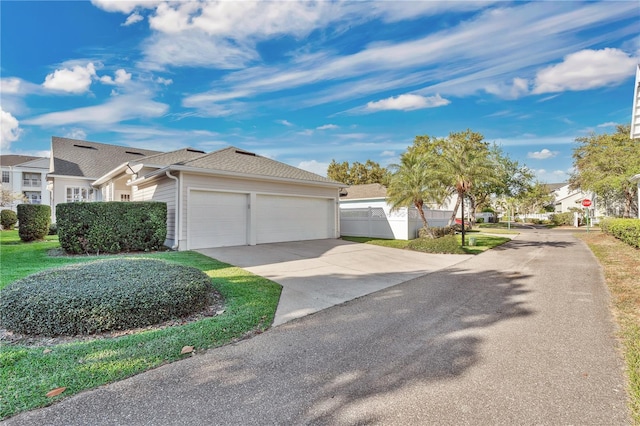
[[621, 265], [482, 243], [27, 373]]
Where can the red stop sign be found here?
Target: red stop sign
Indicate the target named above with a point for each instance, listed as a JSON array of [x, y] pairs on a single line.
[[586, 202]]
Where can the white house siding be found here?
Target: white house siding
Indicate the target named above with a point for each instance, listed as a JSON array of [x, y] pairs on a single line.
[[253, 188], [59, 193], [164, 191]]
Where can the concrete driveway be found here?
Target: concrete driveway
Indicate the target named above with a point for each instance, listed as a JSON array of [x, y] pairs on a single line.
[[318, 274]]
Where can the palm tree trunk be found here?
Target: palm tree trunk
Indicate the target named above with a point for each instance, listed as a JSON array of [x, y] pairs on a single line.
[[455, 212], [419, 206], [461, 197]]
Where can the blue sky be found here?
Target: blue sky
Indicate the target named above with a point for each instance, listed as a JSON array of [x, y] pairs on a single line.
[[308, 82]]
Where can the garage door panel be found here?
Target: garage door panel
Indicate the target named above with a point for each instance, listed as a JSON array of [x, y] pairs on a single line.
[[282, 218], [217, 219]]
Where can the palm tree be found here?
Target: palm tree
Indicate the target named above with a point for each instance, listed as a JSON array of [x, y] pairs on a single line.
[[465, 161], [414, 183]]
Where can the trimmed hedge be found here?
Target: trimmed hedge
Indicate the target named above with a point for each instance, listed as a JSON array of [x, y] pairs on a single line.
[[34, 221], [111, 227], [115, 294], [446, 244], [560, 219], [8, 219], [627, 230]]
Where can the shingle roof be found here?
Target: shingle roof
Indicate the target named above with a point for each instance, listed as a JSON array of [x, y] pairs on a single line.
[[174, 157], [235, 160], [553, 186], [371, 190], [72, 157], [10, 160]]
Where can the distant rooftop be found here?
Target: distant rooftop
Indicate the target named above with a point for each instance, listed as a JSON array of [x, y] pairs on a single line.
[[371, 190], [11, 160]]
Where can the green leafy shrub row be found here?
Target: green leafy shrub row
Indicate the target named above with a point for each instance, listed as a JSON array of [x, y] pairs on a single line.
[[111, 227], [8, 219], [446, 244], [560, 219], [115, 294], [627, 230], [34, 221]]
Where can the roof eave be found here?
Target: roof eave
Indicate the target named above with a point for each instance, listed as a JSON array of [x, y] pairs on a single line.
[[199, 170]]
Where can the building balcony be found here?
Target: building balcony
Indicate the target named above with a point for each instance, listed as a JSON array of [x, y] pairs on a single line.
[[31, 183]]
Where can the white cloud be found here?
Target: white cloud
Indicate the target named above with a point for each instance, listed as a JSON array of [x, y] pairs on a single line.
[[132, 19], [121, 77], [388, 154], [407, 102], [305, 132], [194, 49], [10, 85], [519, 87], [608, 124], [125, 6], [542, 154], [116, 109], [72, 80], [164, 81], [10, 130], [76, 133], [585, 70], [284, 123], [314, 166], [327, 127]]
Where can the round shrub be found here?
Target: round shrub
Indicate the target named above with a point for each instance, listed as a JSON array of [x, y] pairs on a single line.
[[53, 229], [34, 221], [93, 297], [8, 219]]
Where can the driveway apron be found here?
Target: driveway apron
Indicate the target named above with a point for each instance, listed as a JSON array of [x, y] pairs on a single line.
[[318, 274], [518, 335]]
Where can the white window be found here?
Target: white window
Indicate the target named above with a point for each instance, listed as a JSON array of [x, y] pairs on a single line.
[[31, 179], [6, 177], [125, 197], [33, 197], [77, 193]]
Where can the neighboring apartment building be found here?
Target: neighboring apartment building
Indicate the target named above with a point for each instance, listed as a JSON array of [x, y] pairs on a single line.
[[24, 176]]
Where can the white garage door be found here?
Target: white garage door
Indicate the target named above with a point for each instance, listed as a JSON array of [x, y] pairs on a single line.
[[217, 219], [281, 218]]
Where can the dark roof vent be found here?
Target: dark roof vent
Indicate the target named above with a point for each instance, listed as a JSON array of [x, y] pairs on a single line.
[[85, 146], [134, 153], [245, 153], [195, 150]]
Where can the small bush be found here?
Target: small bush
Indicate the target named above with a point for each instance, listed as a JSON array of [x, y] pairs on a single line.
[[480, 220], [441, 232], [8, 219], [447, 244], [115, 294], [53, 229], [560, 219], [627, 230], [34, 221]]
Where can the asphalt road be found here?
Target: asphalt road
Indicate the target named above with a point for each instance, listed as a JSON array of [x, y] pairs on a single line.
[[518, 335]]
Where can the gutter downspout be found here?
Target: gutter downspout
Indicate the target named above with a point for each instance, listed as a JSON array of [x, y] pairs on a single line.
[[175, 215]]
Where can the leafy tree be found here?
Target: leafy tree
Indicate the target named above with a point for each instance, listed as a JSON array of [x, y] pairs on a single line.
[[8, 198], [604, 163], [466, 162], [536, 199], [510, 180], [358, 173], [414, 183]]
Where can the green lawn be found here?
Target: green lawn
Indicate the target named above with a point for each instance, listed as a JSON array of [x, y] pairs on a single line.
[[28, 373], [483, 242]]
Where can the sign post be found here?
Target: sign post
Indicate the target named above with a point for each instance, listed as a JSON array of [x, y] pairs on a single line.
[[586, 203]]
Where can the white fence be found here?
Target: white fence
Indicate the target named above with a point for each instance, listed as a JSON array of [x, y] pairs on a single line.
[[399, 224]]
